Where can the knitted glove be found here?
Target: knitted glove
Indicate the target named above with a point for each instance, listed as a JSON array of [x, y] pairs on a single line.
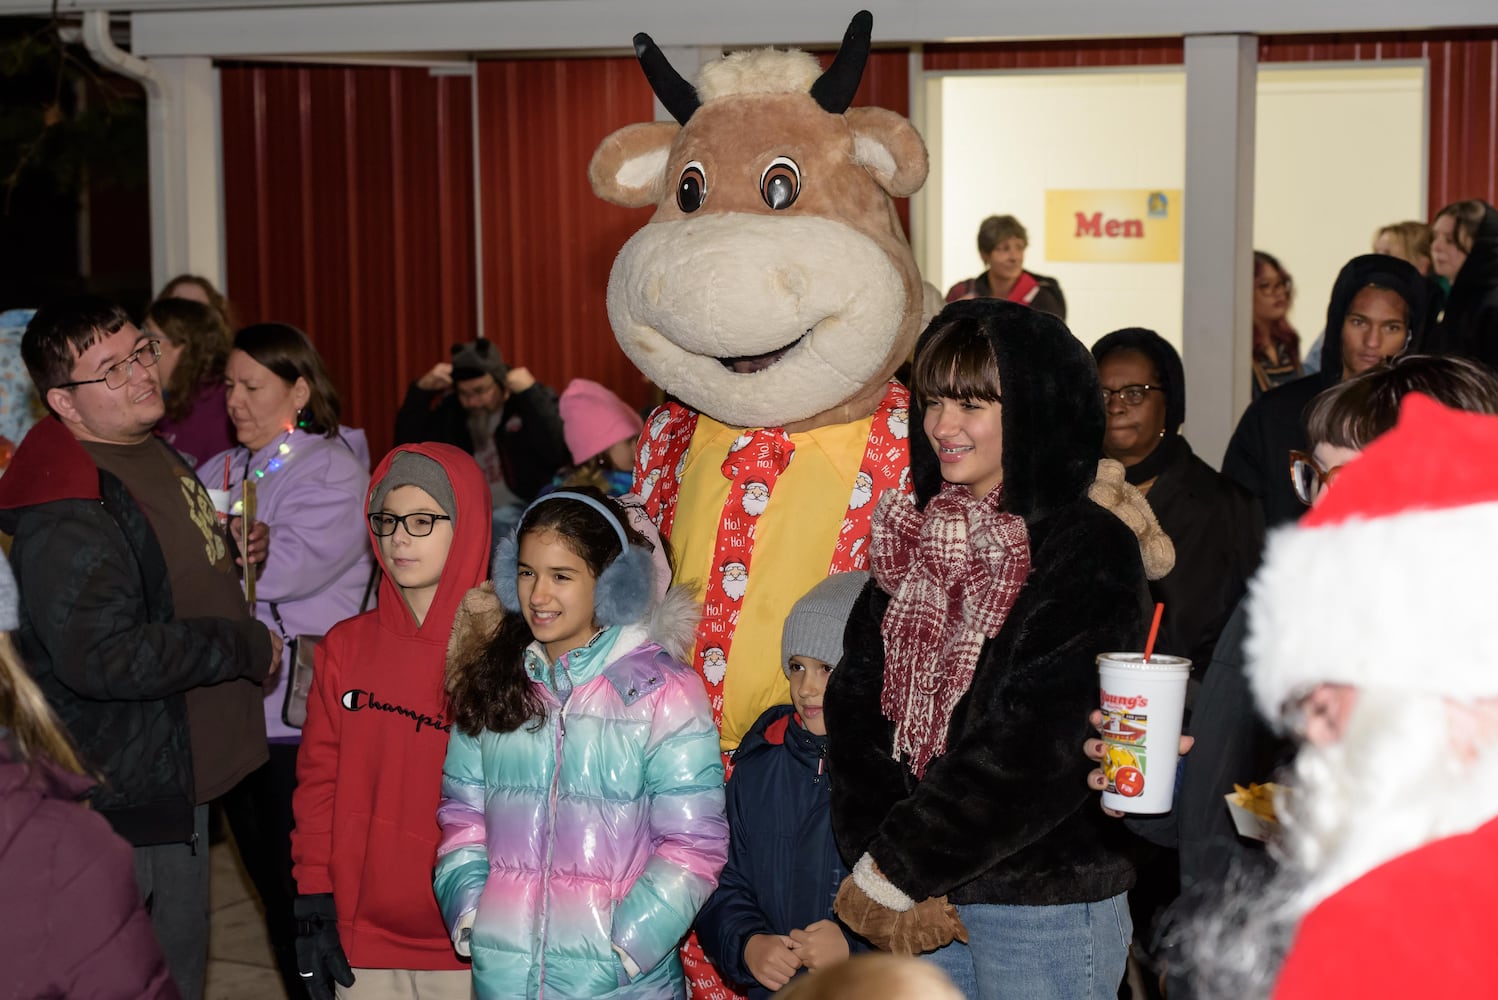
[[872, 906], [319, 953]]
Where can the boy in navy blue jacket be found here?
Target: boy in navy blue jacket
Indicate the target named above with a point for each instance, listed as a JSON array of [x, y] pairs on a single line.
[[771, 915]]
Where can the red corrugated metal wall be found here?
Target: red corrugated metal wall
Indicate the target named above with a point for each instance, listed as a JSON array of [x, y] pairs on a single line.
[[348, 202], [548, 241], [1463, 84]]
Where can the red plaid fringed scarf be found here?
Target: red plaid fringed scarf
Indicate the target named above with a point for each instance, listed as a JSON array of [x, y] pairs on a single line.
[[955, 571]]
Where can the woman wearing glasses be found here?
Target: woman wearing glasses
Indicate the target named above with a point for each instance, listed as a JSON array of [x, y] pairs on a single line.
[[1215, 524], [309, 490], [1276, 344]]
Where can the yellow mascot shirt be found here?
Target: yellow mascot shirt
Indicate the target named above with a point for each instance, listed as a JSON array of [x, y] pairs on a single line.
[[793, 546]]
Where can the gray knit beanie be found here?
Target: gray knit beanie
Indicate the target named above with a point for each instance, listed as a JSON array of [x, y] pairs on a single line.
[[476, 359], [815, 625], [10, 606], [409, 468]]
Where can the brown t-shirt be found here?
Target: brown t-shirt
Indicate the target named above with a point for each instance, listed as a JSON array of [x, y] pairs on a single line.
[[226, 721]]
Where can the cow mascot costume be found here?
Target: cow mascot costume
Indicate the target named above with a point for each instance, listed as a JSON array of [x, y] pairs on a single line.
[[772, 295]]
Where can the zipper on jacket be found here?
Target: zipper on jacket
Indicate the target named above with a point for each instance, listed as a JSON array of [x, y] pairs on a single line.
[[551, 823]]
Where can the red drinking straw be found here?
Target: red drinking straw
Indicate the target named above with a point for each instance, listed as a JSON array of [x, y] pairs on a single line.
[[226, 472], [1149, 644]]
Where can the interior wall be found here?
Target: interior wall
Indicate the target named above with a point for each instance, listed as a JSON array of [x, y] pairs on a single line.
[[1006, 139], [1339, 151]]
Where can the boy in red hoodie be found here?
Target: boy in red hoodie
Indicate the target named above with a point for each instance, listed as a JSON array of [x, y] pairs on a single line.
[[370, 766]]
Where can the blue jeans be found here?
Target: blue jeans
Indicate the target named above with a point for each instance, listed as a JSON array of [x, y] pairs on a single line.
[[1074, 951]]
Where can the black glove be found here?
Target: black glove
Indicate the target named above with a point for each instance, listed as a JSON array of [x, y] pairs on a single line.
[[319, 953]]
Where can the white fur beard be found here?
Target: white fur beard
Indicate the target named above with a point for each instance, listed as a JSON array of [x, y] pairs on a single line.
[[754, 506]]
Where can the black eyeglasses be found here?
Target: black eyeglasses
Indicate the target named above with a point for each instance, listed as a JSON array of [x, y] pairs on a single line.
[[1308, 477], [1132, 395], [416, 525], [116, 375]]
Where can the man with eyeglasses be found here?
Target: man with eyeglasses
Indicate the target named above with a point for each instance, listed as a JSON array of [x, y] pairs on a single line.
[[1376, 302], [510, 423], [132, 620]]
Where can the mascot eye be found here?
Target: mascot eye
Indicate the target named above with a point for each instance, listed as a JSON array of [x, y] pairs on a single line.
[[691, 190], [780, 183]]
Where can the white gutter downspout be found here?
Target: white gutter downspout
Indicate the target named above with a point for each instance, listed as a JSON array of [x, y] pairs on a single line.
[[165, 227]]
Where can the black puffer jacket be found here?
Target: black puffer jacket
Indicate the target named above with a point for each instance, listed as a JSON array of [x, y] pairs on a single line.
[[97, 633], [1005, 816], [783, 869]]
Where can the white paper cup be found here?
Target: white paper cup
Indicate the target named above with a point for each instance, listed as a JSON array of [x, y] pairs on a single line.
[[1142, 708], [222, 502]]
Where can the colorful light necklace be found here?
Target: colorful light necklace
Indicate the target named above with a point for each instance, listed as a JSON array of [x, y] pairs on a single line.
[[272, 465]]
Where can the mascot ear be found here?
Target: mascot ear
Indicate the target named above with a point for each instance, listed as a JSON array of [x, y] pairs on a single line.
[[629, 167], [889, 148]]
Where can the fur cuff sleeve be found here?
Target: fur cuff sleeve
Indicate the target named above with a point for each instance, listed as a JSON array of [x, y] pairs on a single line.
[[878, 888]]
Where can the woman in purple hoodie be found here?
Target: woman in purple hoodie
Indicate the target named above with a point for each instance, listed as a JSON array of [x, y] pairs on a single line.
[[71, 922], [310, 480]]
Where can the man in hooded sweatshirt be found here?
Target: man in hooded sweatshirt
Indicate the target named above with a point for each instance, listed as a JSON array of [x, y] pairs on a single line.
[[1376, 301], [370, 767]]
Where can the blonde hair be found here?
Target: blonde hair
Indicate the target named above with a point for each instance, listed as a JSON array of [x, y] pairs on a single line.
[[34, 730], [873, 977]]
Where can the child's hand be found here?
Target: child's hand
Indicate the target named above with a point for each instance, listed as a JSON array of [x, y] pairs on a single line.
[[820, 945], [770, 958]]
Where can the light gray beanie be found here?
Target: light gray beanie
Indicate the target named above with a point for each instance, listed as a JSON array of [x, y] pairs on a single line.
[[815, 625], [409, 468], [10, 605]]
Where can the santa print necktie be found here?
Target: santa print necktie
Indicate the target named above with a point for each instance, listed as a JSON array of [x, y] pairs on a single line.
[[754, 463]]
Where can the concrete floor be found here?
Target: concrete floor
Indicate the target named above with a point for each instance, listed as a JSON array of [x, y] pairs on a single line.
[[240, 966]]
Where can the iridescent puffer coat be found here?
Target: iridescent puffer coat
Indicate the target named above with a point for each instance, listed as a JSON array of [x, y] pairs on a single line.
[[574, 857]]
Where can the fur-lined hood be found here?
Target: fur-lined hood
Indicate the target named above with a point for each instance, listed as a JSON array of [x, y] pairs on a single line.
[[1053, 424], [671, 623]]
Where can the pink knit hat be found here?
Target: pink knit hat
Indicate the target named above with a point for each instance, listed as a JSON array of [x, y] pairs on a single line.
[[594, 419]]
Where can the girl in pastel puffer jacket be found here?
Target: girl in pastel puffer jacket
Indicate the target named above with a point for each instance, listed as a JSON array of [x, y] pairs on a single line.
[[582, 797]]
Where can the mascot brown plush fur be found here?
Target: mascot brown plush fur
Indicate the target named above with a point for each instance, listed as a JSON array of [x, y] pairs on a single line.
[[772, 295]]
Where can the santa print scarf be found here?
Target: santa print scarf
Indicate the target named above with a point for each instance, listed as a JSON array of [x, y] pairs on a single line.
[[955, 570]]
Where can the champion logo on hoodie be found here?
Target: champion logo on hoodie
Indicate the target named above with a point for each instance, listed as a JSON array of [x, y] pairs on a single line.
[[357, 700]]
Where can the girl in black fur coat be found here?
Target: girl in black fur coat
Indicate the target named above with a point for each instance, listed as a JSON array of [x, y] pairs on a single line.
[[969, 673]]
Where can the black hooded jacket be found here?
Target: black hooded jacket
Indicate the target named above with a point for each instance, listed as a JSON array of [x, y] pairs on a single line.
[[1469, 326], [1258, 456], [1005, 815], [1216, 527]]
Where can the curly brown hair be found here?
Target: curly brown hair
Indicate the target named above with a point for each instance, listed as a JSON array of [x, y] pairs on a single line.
[[204, 338], [491, 691]]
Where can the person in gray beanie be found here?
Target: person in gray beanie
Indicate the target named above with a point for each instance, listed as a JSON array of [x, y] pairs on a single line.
[[509, 422], [771, 916]]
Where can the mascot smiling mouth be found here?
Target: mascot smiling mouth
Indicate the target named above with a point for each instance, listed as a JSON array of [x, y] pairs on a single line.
[[747, 364]]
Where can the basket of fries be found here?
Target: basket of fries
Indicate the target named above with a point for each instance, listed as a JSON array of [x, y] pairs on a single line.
[[1252, 809]]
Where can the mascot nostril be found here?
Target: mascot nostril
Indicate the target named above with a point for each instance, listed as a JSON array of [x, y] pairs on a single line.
[[774, 317]]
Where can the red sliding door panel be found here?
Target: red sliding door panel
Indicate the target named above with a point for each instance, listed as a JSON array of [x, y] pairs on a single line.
[[548, 241], [348, 202]]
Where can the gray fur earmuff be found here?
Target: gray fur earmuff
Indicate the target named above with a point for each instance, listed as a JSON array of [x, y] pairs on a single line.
[[625, 587]]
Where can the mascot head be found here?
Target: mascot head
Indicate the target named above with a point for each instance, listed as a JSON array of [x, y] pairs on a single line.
[[773, 285]]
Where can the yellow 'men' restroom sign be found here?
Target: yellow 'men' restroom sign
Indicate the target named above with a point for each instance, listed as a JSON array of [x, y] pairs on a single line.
[[1113, 226]]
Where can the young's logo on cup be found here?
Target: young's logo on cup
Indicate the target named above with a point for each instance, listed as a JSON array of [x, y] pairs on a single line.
[[1120, 703]]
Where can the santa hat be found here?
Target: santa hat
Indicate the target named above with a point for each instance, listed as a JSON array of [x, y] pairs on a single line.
[[594, 419], [1388, 581]]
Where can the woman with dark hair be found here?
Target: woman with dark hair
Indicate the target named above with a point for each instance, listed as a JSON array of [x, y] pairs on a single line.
[[968, 673], [1465, 251], [1276, 344], [1216, 526], [194, 346], [310, 485]]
